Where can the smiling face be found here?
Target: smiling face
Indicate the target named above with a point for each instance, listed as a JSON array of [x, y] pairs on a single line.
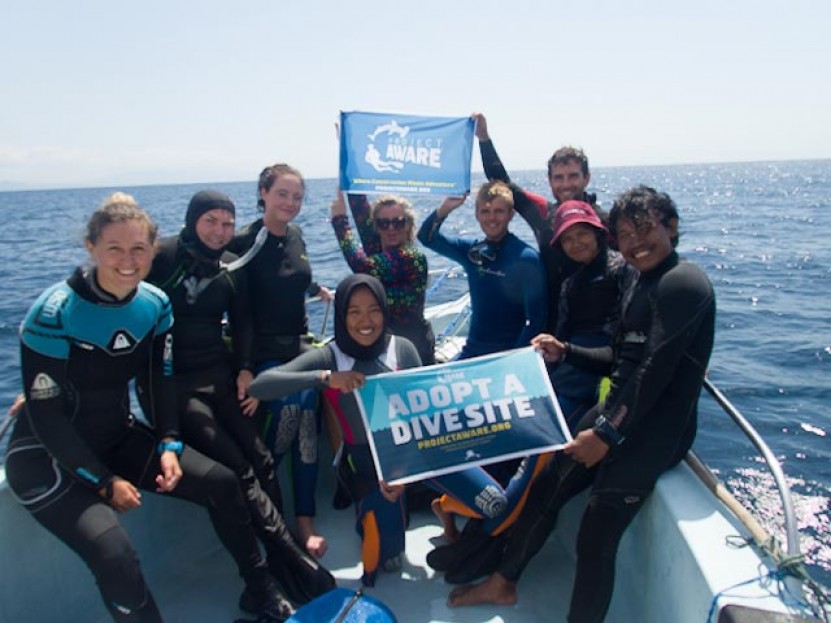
[[215, 228], [282, 202], [647, 242], [364, 317], [494, 217], [579, 242], [123, 253], [393, 226], [568, 181]]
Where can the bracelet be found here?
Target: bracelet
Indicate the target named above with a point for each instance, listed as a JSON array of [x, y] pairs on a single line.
[[170, 446], [108, 489], [604, 429]]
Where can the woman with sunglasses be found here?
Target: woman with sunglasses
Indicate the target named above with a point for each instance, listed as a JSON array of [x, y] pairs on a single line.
[[386, 250]]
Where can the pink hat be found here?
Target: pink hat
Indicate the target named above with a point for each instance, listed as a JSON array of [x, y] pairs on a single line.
[[572, 212]]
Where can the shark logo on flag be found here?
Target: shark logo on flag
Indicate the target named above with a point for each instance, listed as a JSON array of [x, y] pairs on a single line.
[[405, 153]]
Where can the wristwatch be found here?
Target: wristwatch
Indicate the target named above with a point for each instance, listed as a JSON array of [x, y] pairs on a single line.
[[170, 446], [604, 429]]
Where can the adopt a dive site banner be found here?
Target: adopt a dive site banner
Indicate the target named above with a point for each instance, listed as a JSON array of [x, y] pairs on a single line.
[[424, 422], [391, 153]]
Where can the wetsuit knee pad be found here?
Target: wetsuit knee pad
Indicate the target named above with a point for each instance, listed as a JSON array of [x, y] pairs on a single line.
[[115, 565], [491, 501]]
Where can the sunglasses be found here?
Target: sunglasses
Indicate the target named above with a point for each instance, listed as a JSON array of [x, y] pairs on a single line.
[[399, 222], [481, 252]]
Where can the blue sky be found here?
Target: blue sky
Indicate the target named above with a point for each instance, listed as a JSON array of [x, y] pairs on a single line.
[[160, 91]]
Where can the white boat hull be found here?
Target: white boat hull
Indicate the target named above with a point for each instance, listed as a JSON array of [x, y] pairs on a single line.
[[673, 560]]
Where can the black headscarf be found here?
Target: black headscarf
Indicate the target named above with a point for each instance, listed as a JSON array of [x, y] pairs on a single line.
[[342, 296], [201, 202]]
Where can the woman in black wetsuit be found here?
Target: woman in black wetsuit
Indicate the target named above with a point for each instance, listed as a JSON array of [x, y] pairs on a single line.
[[280, 278], [77, 457], [646, 424], [199, 276], [589, 304]]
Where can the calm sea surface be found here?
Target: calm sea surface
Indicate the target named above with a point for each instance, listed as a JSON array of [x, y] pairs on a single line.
[[760, 230]]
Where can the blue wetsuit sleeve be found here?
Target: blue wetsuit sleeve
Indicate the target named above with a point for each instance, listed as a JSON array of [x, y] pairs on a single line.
[[452, 247], [684, 300], [534, 296], [302, 372], [49, 397]]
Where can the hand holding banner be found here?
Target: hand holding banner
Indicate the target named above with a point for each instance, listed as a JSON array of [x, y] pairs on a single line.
[[391, 153], [425, 422]]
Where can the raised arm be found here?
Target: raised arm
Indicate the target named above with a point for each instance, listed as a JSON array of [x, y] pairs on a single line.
[[429, 235], [494, 169]]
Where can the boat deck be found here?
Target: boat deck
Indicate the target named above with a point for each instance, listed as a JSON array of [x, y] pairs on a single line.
[[206, 589]]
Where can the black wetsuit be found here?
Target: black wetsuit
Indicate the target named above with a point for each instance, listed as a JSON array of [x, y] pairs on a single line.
[[280, 278], [538, 212], [588, 317], [201, 291], [79, 349], [661, 353]]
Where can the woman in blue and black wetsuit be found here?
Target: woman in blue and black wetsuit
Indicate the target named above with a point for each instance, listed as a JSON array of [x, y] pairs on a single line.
[[78, 457], [202, 281], [280, 278]]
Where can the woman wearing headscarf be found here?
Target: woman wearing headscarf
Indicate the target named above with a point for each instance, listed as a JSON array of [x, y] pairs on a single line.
[[362, 347]]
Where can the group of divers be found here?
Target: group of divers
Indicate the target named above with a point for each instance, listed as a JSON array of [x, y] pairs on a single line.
[[602, 295]]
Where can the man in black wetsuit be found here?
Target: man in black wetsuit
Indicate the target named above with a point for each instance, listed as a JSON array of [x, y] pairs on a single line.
[[646, 425], [568, 176]]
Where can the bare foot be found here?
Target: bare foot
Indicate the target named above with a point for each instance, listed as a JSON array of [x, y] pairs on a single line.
[[448, 521], [314, 543], [494, 590]]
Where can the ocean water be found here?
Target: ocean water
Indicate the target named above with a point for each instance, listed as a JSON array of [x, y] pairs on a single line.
[[759, 230]]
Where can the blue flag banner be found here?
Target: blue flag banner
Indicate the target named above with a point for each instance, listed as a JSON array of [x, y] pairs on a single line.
[[425, 422], [389, 153]]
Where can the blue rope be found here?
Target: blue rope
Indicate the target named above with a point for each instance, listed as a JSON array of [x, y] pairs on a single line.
[[452, 324], [776, 576], [438, 282]]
